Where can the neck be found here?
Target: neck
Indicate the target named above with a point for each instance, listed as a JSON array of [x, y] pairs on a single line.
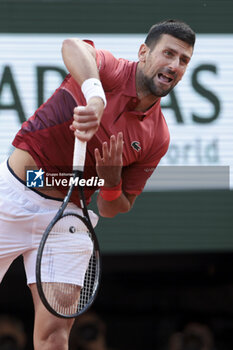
[[147, 99], [145, 104]]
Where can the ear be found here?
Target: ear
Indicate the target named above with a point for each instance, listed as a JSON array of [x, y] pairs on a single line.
[[142, 53]]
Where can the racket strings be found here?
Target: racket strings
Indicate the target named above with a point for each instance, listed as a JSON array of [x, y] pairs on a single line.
[[62, 297], [66, 298], [89, 286], [65, 251]]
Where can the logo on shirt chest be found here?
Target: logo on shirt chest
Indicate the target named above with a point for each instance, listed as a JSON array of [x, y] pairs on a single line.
[[136, 145]]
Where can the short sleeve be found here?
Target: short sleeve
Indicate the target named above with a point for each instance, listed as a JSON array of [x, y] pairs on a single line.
[[113, 72]]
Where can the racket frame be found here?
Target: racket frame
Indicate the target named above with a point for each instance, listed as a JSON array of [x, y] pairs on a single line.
[[77, 172]]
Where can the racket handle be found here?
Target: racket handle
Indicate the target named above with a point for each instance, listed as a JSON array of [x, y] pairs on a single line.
[[79, 153]]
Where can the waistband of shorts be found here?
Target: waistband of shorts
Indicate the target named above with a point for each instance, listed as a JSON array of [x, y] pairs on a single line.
[[13, 180]]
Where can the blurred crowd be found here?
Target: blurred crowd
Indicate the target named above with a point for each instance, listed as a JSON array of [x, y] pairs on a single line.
[[12, 333], [90, 333], [194, 336]]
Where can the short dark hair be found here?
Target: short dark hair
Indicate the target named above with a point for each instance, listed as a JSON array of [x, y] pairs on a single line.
[[176, 28]]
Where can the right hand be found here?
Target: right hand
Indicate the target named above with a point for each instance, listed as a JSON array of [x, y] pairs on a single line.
[[87, 119]]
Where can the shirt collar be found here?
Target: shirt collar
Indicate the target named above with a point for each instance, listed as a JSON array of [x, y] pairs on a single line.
[[130, 91], [141, 115]]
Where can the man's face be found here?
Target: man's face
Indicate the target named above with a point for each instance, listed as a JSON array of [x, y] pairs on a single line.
[[164, 66]]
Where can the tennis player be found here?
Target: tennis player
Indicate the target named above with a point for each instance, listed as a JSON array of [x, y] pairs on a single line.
[[127, 136]]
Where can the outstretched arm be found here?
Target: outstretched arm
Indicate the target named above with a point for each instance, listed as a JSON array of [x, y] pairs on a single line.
[[109, 168]]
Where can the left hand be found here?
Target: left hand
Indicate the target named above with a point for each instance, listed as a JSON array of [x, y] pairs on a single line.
[[109, 166]]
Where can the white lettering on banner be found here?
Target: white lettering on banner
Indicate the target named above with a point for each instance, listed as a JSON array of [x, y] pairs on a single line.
[[199, 111], [196, 151]]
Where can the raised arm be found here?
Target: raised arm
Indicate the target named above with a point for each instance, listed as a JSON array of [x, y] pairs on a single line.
[[80, 60]]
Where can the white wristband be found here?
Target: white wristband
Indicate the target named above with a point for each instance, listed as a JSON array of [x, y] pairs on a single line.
[[93, 88]]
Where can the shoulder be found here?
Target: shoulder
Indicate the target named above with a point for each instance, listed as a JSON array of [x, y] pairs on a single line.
[[114, 72]]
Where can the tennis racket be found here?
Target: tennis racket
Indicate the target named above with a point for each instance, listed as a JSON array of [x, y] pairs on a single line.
[[60, 257]]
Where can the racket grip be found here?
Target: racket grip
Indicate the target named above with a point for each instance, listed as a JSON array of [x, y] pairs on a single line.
[[79, 153]]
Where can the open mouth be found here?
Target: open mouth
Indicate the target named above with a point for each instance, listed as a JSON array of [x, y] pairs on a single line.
[[164, 78]]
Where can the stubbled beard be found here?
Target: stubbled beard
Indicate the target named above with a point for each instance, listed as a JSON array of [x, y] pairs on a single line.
[[153, 89]]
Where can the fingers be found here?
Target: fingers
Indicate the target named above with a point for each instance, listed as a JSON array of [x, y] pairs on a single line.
[[116, 145], [120, 143], [98, 158], [85, 118], [109, 165], [84, 136], [105, 152], [112, 154], [86, 122]]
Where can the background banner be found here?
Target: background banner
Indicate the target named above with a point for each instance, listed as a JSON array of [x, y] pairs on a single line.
[[199, 111]]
